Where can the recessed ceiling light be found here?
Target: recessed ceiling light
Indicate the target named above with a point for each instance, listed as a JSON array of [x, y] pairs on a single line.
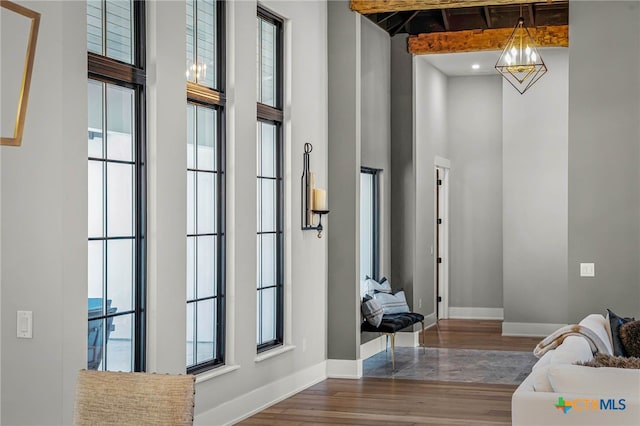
[[475, 66]]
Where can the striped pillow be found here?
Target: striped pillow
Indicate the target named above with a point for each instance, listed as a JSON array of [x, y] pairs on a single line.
[[392, 303], [372, 311]]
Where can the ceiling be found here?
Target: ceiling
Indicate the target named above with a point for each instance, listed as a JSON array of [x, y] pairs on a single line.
[[452, 26], [459, 64], [443, 19]]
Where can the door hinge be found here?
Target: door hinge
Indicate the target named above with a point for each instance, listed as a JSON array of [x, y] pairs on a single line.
[[439, 221], [439, 181], [439, 260], [439, 298]]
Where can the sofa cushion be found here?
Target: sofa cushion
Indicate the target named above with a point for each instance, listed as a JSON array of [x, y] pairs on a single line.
[[545, 360], [630, 337], [540, 379], [394, 322], [605, 381], [598, 324], [616, 321], [572, 350]]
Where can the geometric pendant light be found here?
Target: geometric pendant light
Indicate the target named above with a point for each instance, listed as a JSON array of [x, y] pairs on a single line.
[[520, 63]]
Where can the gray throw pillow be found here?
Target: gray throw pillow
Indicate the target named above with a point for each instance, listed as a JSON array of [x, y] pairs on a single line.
[[392, 303], [616, 322], [372, 311]]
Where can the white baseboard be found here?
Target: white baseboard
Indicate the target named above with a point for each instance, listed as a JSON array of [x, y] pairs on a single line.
[[344, 368], [373, 347], [408, 340], [531, 329], [476, 313], [246, 405], [429, 320]]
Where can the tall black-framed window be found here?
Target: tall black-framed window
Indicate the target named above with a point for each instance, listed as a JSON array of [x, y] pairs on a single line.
[[116, 185], [270, 181], [206, 183], [369, 223]]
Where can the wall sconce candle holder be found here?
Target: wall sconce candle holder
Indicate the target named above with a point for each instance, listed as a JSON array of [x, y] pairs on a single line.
[[314, 200]]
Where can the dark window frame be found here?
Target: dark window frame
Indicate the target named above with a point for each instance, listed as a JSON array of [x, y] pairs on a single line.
[[215, 99], [375, 261], [275, 116], [132, 76]]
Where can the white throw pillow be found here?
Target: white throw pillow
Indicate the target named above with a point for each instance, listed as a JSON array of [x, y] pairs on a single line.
[[598, 324], [604, 381], [373, 286], [572, 350], [544, 361], [392, 303]]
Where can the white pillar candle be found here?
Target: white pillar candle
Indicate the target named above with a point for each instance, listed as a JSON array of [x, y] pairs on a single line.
[[319, 199]]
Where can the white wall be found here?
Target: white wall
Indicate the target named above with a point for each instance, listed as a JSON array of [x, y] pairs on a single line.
[[44, 227], [376, 124], [430, 140], [474, 118], [44, 215], [535, 197], [604, 157]]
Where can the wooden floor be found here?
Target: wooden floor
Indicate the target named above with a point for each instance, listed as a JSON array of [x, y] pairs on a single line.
[[372, 401]]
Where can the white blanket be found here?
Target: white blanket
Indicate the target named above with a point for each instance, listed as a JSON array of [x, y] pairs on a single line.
[[556, 338]]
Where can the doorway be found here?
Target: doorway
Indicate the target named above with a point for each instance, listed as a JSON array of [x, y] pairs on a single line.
[[441, 257]]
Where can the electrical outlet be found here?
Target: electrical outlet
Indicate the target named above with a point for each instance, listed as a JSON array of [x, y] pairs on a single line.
[[587, 270]]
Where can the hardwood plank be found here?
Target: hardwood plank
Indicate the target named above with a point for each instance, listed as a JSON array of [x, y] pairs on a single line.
[[479, 40], [374, 401], [377, 6]]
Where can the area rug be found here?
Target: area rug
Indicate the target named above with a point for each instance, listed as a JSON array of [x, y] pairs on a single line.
[[452, 365]]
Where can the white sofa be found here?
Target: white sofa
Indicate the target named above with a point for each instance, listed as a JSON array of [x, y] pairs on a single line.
[[598, 395]]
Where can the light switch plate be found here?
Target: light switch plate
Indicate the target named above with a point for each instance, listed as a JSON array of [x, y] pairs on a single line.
[[587, 270], [25, 324]]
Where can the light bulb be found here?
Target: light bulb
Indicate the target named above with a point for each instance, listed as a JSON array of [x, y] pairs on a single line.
[[475, 66]]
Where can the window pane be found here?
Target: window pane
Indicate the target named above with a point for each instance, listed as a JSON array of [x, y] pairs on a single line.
[[191, 202], [267, 193], [205, 330], [191, 330], [191, 268], [95, 208], [191, 128], [95, 133], [366, 225], [268, 315], [191, 76], [120, 343], [119, 30], [267, 259], [119, 199], [119, 123], [267, 62], [206, 267], [94, 26], [95, 340], [206, 138], [201, 37], [206, 203], [95, 272], [206, 42], [120, 274], [267, 149]]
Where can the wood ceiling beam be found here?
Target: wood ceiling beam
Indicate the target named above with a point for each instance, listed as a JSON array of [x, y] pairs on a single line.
[[366, 7], [479, 40]]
